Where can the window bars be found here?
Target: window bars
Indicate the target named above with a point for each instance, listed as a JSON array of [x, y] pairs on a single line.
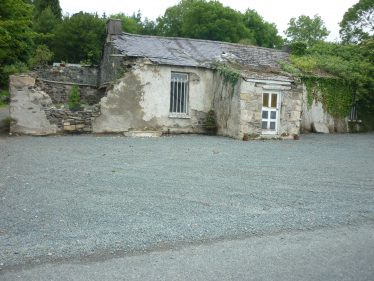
[[179, 94]]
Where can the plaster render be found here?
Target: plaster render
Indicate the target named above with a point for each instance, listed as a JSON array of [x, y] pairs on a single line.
[[141, 99]]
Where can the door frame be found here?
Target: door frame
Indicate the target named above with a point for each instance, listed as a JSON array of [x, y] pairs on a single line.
[[269, 109]]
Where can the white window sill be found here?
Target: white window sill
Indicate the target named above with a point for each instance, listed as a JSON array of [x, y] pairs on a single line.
[[179, 115]]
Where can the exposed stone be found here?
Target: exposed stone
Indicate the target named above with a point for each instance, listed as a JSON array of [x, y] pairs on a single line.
[[319, 127], [143, 134], [23, 98]]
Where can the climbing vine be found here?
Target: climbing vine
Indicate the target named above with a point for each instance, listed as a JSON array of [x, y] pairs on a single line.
[[229, 74], [335, 94]]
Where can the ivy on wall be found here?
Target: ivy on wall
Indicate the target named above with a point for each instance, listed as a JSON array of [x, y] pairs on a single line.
[[335, 94], [229, 74]]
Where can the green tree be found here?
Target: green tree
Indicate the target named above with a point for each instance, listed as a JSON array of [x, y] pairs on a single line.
[[203, 20], [358, 22], [79, 38], [41, 5], [16, 37], [46, 22], [213, 21], [265, 34], [307, 30], [41, 56], [131, 24]]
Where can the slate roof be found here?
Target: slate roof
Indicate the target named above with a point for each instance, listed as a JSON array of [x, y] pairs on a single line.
[[196, 53]]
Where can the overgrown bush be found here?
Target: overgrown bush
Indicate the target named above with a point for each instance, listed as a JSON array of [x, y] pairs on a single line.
[[74, 98]]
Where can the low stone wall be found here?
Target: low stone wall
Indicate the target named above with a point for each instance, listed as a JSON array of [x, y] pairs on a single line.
[[60, 91], [72, 74], [72, 121]]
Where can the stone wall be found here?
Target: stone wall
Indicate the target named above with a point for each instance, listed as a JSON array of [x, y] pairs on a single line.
[[315, 118], [226, 106], [72, 121], [71, 74], [290, 95], [112, 65], [60, 91], [27, 105], [34, 113]]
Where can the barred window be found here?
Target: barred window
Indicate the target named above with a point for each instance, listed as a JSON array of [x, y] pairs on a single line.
[[179, 94]]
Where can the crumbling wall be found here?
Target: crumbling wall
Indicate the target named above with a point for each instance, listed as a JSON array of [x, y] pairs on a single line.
[[226, 105], [27, 105], [57, 82], [71, 74], [34, 113]]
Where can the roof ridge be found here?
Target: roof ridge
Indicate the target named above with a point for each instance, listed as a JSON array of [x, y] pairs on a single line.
[[203, 40]]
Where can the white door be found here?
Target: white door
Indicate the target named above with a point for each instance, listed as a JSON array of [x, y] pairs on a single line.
[[270, 113]]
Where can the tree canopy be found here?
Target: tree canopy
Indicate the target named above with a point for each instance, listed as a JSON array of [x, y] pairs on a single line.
[[358, 22], [53, 5], [212, 21], [307, 30], [79, 38], [16, 36]]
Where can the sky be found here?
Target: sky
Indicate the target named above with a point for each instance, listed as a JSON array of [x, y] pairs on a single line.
[[274, 11]]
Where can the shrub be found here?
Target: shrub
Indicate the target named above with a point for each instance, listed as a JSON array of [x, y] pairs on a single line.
[[74, 98]]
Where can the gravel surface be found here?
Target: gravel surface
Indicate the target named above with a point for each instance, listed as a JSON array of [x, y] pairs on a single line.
[[4, 113], [86, 196]]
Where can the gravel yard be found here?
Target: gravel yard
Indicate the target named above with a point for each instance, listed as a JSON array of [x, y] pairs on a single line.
[[81, 197]]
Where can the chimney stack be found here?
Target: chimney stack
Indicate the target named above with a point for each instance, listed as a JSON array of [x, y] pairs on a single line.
[[113, 27]]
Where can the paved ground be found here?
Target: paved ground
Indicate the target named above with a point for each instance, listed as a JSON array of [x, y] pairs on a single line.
[[86, 198]]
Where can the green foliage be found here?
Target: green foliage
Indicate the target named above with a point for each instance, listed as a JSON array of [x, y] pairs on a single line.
[[229, 74], [79, 38], [211, 121], [53, 5], [335, 94], [343, 74], [17, 67], [298, 48], [74, 98], [4, 97], [45, 22], [213, 21], [16, 36], [358, 22], [307, 30], [307, 63], [130, 24], [265, 34], [42, 56], [290, 68]]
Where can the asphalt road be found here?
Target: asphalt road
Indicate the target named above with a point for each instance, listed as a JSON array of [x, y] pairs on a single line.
[[88, 199]]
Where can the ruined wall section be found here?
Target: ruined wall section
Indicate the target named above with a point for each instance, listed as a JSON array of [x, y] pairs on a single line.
[[57, 82], [226, 106], [27, 105]]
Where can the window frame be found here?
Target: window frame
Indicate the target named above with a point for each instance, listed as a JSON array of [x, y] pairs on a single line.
[[179, 95]]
